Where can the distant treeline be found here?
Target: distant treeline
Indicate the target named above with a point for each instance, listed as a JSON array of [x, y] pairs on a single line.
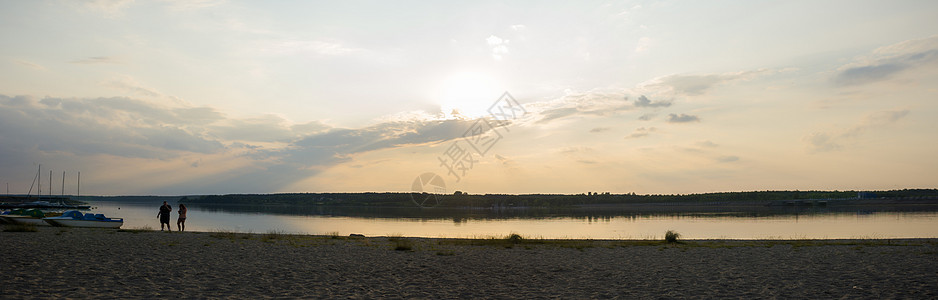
[[460, 199]]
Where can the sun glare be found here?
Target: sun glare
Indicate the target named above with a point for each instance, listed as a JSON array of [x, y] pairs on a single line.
[[468, 94]]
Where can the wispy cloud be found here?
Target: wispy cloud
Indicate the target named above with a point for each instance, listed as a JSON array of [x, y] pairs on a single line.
[[131, 85], [109, 8], [830, 141], [98, 60], [682, 118], [192, 4], [698, 84], [886, 62], [31, 65], [727, 158], [641, 132], [600, 129], [316, 47], [593, 103]]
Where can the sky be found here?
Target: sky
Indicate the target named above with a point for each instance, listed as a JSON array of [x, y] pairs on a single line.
[[650, 97]]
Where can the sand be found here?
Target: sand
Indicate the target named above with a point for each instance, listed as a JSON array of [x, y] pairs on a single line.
[[98, 263]]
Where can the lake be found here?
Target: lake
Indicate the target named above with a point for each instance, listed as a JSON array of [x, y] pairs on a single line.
[[760, 223]]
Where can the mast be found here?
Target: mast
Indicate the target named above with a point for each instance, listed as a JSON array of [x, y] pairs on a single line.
[[50, 183], [31, 185], [63, 183], [79, 184]]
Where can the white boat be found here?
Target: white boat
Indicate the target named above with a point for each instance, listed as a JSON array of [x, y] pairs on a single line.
[[25, 217], [74, 218], [24, 220]]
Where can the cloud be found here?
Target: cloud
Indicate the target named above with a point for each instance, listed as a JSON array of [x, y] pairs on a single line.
[[707, 144], [315, 47], [646, 117], [727, 158], [593, 103], [31, 65], [600, 129], [258, 154], [192, 4], [641, 132], [114, 126], [268, 128], [97, 60], [129, 84], [695, 85], [886, 62], [110, 8], [499, 46], [831, 141], [643, 101], [337, 144], [682, 118], [643, 44]]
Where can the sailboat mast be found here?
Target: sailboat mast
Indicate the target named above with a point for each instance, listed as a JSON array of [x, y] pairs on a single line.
[[63, 183], [50, 183], [79, 184]]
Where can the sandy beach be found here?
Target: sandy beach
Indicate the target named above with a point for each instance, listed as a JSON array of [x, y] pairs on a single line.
[[98, 263]]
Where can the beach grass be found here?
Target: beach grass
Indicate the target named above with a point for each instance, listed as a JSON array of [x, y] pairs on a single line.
[[230, 235], [274, 234], [400, 243], [137, 229]]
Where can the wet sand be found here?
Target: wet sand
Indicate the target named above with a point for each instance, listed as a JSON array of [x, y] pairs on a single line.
[[97, 263]]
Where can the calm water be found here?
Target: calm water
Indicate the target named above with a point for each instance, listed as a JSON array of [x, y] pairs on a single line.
[[763, 224]]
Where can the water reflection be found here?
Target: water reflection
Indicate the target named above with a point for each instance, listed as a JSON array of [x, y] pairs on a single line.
[[745, 222]]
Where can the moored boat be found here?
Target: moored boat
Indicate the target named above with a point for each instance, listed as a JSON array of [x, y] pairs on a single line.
[[26, 217], [74, 218]]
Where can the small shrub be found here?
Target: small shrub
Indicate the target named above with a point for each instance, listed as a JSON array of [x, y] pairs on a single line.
[[515, 238], [671, 236], [21, 228]]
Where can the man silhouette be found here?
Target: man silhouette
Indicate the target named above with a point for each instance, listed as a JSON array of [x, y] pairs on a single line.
[[164, 216]]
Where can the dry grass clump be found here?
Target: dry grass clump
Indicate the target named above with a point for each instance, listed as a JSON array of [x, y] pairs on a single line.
[[137, 229]]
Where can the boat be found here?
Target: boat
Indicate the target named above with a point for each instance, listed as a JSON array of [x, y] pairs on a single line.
[[74, 218], [26, 217]]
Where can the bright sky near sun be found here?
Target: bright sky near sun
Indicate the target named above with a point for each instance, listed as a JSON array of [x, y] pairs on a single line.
[[216, 97]]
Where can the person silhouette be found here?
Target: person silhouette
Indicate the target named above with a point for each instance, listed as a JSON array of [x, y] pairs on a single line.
[[164, 216], [181, 222]]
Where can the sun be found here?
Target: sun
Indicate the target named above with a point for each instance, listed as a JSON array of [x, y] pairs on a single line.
[[468, 94]]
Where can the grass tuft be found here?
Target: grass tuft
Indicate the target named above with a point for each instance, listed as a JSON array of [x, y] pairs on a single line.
[[272, 235], [403, 245]]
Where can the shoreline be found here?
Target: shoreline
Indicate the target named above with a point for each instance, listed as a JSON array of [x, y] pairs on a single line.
[[59, 262]]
